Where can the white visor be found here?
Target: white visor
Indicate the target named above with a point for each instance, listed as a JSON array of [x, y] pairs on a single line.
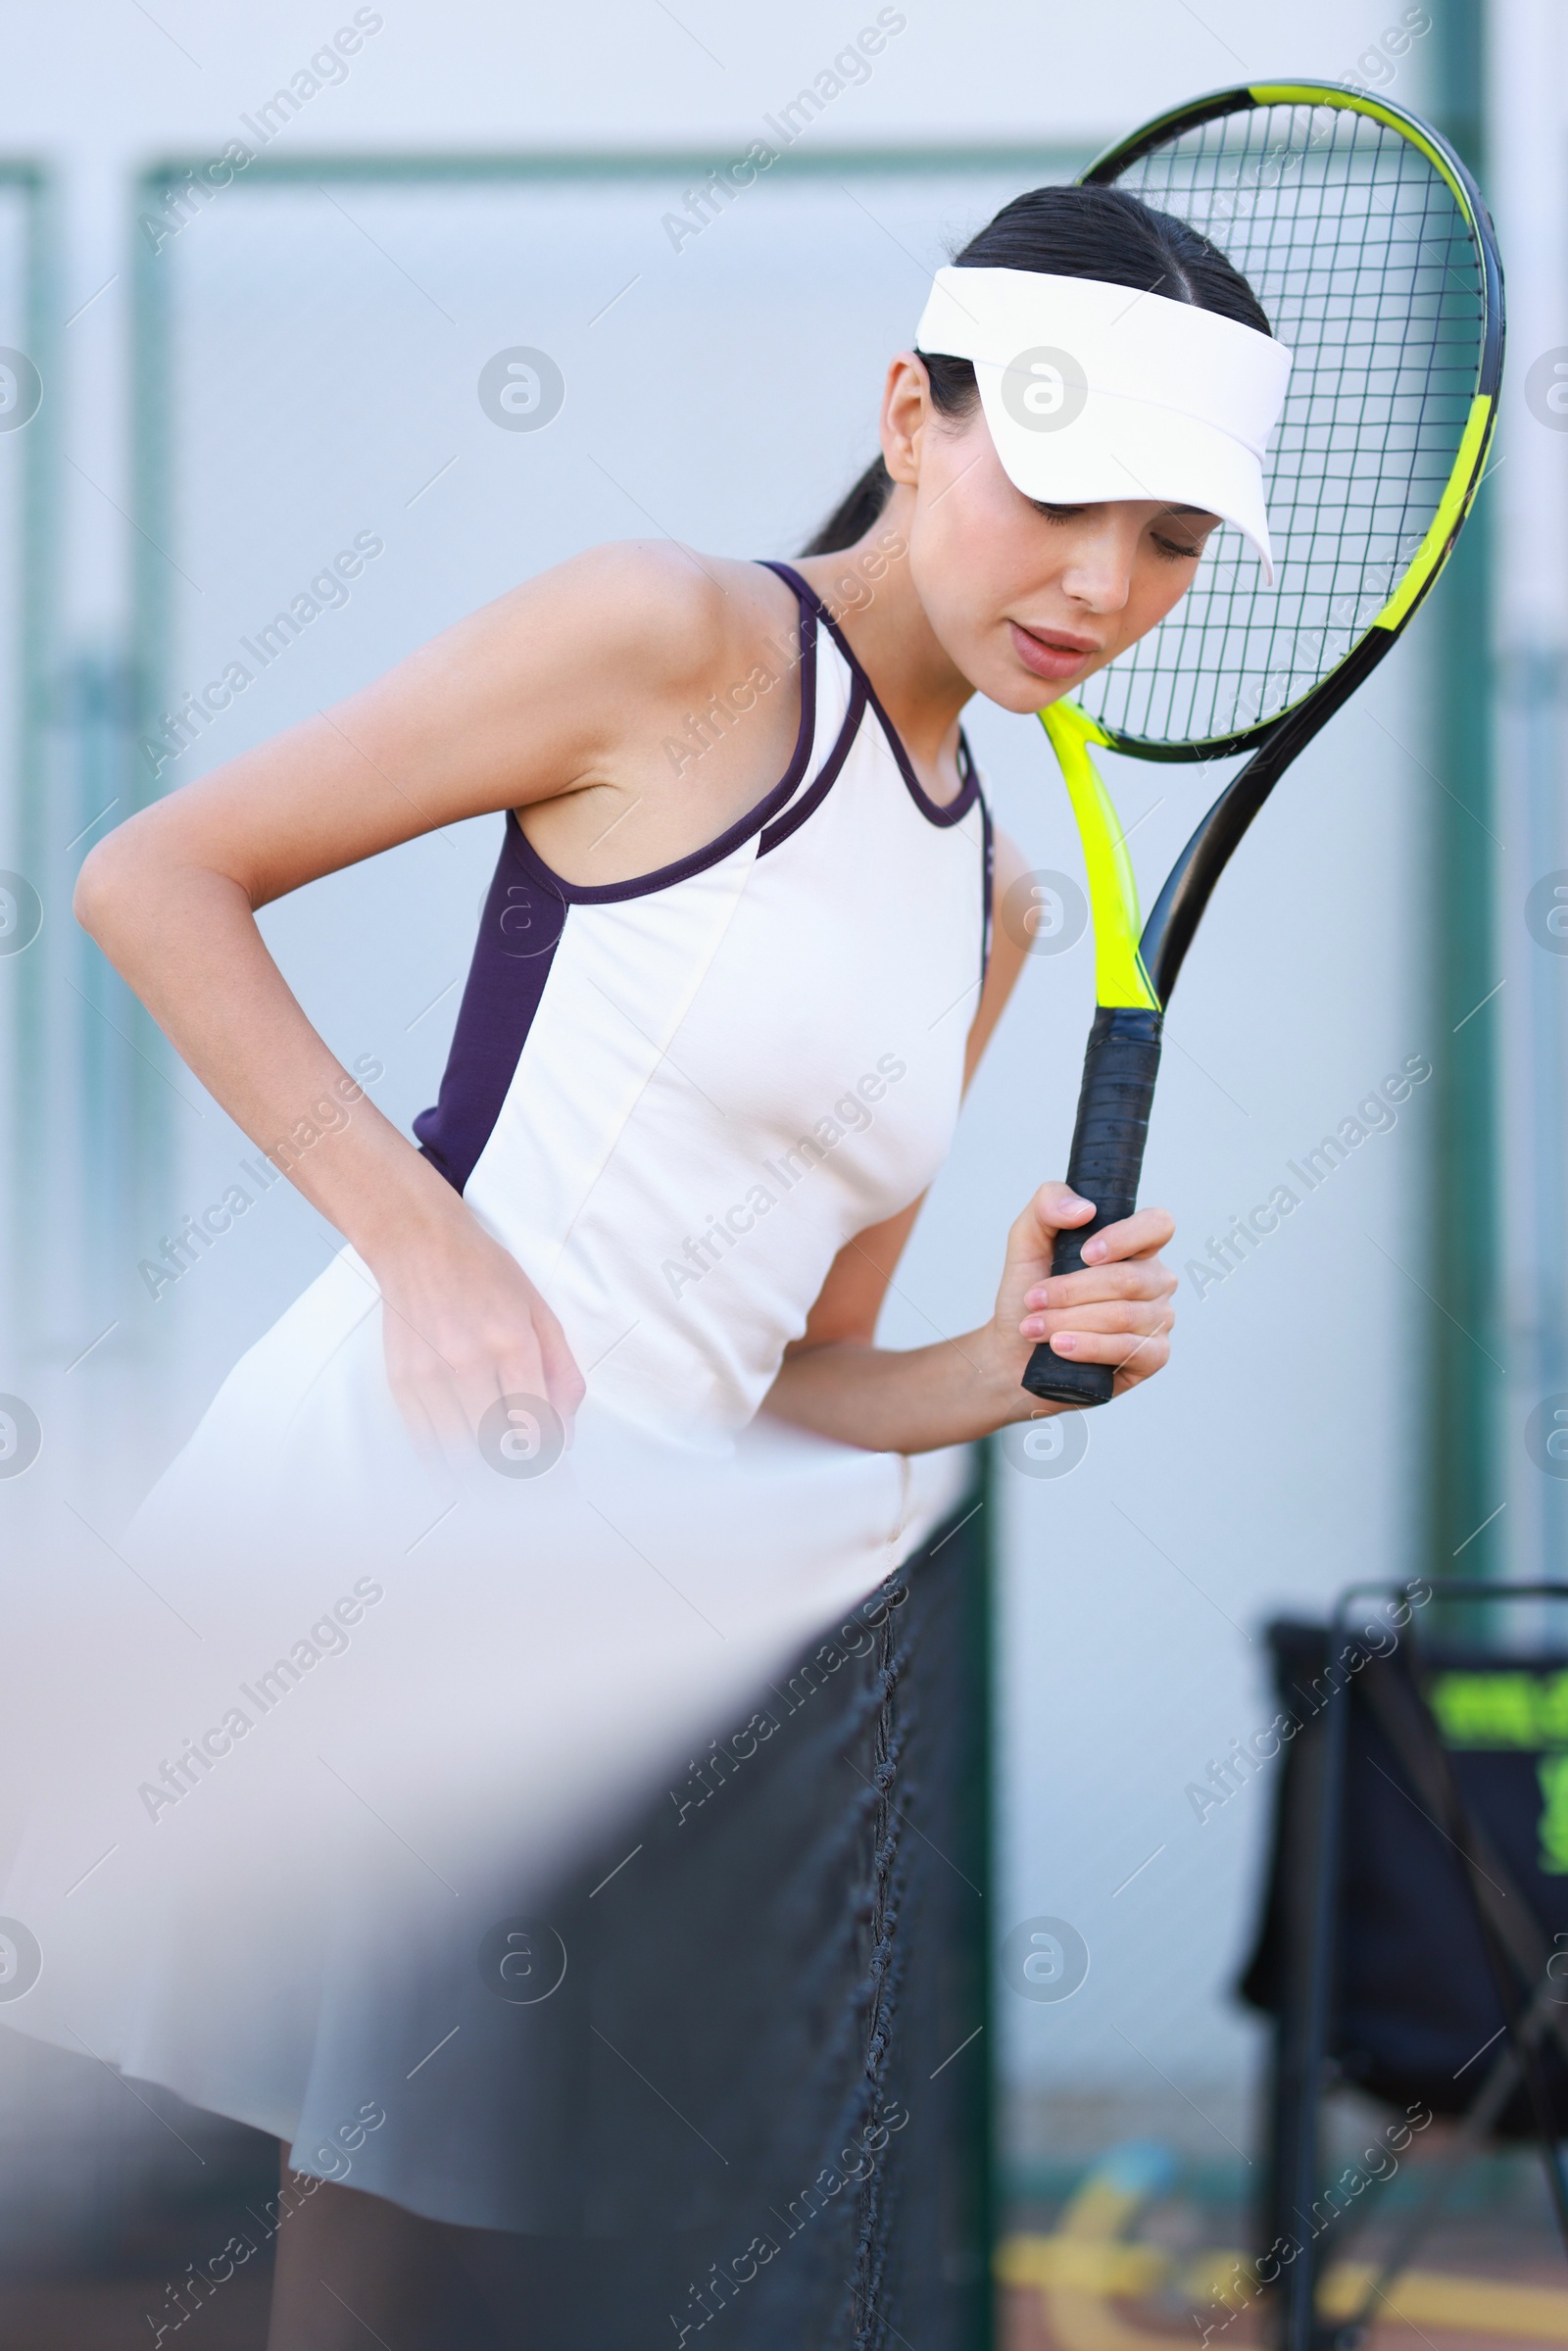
[[1095, 391]]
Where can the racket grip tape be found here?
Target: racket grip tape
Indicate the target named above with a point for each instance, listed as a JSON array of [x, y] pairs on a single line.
[[1104, 1164]]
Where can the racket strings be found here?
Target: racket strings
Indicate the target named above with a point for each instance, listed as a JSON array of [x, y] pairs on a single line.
[[1366, 268], [1337, 411]]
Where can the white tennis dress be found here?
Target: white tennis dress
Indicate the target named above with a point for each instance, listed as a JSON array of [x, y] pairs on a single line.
[[360, 1690]]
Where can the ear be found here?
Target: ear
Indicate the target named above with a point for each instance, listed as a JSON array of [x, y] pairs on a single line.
[[907, 411]]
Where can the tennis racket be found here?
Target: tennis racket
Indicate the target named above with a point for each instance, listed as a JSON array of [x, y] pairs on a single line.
[[1367, 243]]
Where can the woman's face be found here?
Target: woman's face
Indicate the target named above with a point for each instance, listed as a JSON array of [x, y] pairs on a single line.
[[1027, 600]]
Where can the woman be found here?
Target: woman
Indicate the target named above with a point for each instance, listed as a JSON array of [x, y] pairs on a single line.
[[731, 981]]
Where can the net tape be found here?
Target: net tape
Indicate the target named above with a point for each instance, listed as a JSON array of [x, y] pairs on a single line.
[[1361, 258]]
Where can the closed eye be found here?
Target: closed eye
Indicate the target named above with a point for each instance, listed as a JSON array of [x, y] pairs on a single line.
[[1172, 551], [1173, 547]]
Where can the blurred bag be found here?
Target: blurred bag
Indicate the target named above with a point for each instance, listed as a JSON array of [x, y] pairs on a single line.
[[1415, 2013]]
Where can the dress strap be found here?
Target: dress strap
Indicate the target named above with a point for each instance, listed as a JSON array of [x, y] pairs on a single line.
[[938, 813]]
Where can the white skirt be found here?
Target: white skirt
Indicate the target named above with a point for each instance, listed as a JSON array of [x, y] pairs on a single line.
[[290, 1806]]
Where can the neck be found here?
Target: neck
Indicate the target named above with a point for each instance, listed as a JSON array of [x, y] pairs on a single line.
[[872, 597]]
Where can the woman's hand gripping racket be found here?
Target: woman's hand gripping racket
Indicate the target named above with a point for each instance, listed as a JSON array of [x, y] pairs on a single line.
[[1368, 245]]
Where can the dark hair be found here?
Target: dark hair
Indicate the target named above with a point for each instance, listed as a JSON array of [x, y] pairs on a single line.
[[1065, 232]]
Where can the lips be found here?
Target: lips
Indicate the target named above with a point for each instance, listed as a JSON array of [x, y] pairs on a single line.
[[1051, 654]]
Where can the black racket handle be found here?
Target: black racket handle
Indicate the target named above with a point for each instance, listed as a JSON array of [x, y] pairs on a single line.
[[1107, 1159]]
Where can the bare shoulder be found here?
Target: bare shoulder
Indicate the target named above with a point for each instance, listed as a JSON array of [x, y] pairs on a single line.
[[560, 684], [555, 695], [579, 687], [650, 611]]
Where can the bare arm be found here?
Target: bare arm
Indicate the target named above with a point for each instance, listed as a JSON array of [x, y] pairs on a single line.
[[837, 1381], [551, 699]]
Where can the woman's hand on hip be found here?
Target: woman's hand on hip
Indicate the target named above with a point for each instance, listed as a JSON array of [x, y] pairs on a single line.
[[464, 1328], [1118, 1310]]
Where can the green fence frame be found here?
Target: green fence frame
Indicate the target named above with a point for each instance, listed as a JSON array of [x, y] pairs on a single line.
[[36, 557], [1465, 1339]]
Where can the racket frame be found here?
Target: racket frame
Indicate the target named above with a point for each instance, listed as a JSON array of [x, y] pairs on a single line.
[[1136, 965]]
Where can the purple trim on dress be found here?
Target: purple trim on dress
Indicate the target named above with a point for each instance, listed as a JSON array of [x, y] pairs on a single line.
[[935, 812], [581, 894], [987, 872], [525, 916], [519, 931], [793, 817]]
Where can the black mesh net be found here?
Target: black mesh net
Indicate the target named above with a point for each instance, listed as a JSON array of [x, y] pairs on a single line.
[[1368, 272], [756, 2098]]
